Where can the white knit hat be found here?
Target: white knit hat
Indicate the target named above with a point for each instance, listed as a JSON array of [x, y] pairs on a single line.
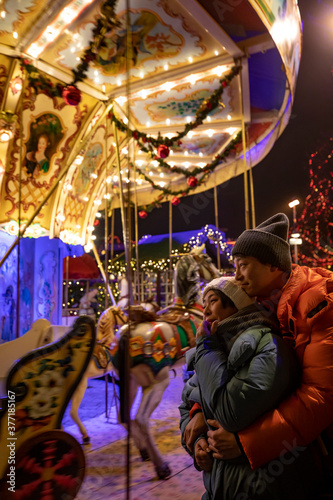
[[229, 287]]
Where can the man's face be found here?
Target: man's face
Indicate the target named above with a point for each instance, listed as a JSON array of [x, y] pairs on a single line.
[[256, 279]]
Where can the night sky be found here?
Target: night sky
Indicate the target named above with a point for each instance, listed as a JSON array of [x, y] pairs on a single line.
[[283, 175]]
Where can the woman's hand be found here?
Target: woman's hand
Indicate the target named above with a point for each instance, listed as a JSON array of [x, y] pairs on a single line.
[[207, 328], [194, 428], [202, 455]]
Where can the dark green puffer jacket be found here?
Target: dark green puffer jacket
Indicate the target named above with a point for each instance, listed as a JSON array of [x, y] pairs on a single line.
[[243, 371]]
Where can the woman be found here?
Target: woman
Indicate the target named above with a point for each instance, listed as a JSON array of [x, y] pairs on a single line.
[[37, 161], [243, 368]]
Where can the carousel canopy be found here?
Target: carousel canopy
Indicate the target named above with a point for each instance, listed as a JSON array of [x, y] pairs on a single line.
[[161, 99]]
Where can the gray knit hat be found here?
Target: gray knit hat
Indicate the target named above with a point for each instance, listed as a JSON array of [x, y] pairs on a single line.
[[229, 287], [268, 242]]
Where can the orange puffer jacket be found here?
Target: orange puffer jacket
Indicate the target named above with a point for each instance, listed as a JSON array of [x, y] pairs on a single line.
[[305, 312]]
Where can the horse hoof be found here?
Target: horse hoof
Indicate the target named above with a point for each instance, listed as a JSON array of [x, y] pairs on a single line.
[[163, 471], [86, 440], [144, 455]]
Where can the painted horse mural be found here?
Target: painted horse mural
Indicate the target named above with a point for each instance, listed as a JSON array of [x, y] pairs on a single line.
[[156, 343]]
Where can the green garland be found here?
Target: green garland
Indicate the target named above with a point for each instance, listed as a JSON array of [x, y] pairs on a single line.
[[147, 143], [202, 112], [105, 23], [206, 171]]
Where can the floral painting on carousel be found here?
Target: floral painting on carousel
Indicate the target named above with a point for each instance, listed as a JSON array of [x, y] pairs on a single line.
[[89, 165], [149, 36], [205, 144]]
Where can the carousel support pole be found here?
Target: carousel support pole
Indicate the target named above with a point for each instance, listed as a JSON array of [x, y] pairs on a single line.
[[66, 289], [217, 229], [106, 246], [124, 374], [124, 341], [129, 235], [253, 210], [106, 255], [158, 288], [19, 212], [107, 279], [122, 210], [170, 252], [112, 237], [136, 237], [101, 270], [246, 187]]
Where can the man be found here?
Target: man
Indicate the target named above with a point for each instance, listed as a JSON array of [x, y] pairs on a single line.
[[302, 299]]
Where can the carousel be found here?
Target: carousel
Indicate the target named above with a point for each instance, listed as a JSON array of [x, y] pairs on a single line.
[[105, 106]]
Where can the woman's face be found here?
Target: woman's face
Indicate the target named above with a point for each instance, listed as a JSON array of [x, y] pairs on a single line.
[[213, 308], [42, 144]]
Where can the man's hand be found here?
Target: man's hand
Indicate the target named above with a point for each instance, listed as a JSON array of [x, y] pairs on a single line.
[[194, 428], [222, 443], [202, 455]]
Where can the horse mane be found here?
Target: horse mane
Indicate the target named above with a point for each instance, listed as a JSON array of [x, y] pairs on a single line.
[[186, 276]]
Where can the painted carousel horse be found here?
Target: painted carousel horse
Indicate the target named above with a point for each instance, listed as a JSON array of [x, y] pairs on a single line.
[[37, 459], [156, 343], [100, 363]]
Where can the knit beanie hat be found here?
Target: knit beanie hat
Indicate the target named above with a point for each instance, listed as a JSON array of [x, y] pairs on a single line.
[[229, 287], [268, 242]]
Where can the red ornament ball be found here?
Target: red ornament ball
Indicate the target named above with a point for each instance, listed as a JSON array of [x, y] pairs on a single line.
[[163, 151], [175, 200], [143, 214], [71, 95], [192, 181]]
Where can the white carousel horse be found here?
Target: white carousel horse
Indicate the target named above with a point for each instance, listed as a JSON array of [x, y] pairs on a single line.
[[100, 363], [123, 300], [156, 343], [124, 297]]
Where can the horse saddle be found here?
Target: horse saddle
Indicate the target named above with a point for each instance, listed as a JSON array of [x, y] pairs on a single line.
[[173, 317], [137, 314], [101, 356]]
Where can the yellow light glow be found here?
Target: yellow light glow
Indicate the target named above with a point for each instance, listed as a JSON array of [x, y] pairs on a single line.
[[121, 100], [167, 86]]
